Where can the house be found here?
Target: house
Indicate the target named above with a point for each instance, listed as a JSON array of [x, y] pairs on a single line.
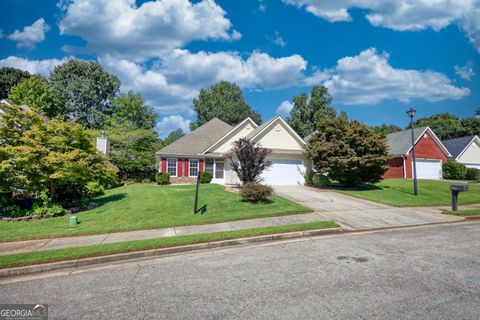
[[208, 148], [430, 154], [465, 150]]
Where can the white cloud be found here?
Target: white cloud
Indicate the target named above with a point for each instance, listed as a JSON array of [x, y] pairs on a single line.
[[278, 40], [403, 15], [368, 78], [123, 29], [262, 7], [171, 123], [466, 72], [42, 67], [31, 35], [284, 108]]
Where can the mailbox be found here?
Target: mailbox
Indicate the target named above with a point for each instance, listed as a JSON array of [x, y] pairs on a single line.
[[456, 189]]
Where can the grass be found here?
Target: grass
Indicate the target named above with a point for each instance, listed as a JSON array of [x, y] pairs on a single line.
[[399, 192], [148, 206], [23, 259], [464, 212]]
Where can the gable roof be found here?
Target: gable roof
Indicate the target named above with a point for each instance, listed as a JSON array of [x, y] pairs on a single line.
[[400, 143], [252, 135], [229, 134], [458, 145], [199, 139]]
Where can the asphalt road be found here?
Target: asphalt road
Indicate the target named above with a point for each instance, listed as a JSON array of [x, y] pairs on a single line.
[[420, 273]]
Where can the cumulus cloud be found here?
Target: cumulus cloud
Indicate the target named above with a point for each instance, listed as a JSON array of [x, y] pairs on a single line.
[[403, 15], [42, 67], [465, 72], [284, 108], [31, 35], [123, 29], [171, 123], [368, 78], [278, 40]]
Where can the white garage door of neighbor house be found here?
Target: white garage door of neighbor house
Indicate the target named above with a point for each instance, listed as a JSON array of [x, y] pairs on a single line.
[[285, 172], [429, 169], [471, 165]]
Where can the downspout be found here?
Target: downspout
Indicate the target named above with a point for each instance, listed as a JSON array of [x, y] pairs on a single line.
[[404, 168]]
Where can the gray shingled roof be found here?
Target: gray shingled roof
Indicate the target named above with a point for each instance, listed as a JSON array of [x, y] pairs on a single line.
[[400, 142], [455, 146], [259, 128], [199, 139]]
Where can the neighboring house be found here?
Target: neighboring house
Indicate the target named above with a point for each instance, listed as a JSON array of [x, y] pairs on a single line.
[[430, 154], [208, 148], [465, 150]]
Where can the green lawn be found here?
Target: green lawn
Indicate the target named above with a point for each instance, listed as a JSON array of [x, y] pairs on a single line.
[[475, 212], [399, 192], [148, 206], [23, 259]]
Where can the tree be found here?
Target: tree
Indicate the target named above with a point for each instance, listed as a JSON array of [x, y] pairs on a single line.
[[471, 126], [48, 156], [251, 160], [130, 107], [10, 77], [85, 89], [173, 136], [477, 112], [307, 113], [348, 152], [37, 94], [223, 100], [390, 128], [445, 125]]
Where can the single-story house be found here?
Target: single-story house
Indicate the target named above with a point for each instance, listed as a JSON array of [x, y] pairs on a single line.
[[208, 148], [465, 150], [430, 154]]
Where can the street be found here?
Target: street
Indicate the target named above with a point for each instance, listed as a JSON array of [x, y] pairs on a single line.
[[430, 272]]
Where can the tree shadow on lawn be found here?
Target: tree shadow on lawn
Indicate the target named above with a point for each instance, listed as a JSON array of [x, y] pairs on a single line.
[[111, 198]]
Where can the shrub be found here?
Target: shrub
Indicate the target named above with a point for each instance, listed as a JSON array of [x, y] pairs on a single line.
[[320, 180], [309, 177], [93, 189], [205, 177], [163, 178], [454, 170], [46, 206], [255, 192], [472, 174]]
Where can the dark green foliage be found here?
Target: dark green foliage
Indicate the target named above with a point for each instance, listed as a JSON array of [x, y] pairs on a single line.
[[471, 126], [317, 180], [256, 192], [131, 108], [163, 178], [205, 177], [250, 160], [10, 77], [454, 170], [348, 152], [223, 100], [85, 90], [445, 125], [173, 136], [306, 113], [472, 174], [384, 128]]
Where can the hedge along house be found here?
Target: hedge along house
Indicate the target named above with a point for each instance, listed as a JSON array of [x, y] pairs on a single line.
[[430, 154], [208, 148], [465, 150]]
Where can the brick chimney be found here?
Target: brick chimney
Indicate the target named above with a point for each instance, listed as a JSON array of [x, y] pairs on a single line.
[[103, 145]]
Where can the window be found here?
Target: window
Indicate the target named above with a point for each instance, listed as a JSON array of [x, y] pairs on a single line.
[[172, 167], [219, 170], [193, 167], [209, 166]]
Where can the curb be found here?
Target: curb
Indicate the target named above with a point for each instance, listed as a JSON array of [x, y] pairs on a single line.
[[472, 217], [75, 264]]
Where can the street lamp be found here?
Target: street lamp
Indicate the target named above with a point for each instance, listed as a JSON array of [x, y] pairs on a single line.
[[411, 113]]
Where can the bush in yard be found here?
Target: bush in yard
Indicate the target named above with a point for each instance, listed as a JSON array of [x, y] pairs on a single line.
[[454, 170], [320, 180], [251, 160], [205, 177], [163, 178], [46, 207], [472, 174], [255, 192], [348, 152], [93, 189]]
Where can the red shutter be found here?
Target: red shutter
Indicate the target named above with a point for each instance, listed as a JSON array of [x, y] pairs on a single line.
[[187, 173], [200, 166], [164, 165], [179, 167]]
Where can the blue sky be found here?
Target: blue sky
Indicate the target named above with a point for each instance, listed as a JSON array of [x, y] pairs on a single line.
[[376, 58]]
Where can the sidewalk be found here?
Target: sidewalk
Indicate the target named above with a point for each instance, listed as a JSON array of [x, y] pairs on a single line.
[[81, 241]]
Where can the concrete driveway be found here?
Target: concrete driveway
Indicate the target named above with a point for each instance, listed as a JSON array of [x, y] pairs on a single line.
[[357, 214]]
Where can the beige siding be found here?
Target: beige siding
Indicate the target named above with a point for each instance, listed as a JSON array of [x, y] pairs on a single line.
[[471, 155], [242, 132], [278, 137], [230, 175]]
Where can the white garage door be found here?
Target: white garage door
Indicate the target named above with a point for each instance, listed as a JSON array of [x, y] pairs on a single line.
[[471, 165], [429, 169], [285, 172]]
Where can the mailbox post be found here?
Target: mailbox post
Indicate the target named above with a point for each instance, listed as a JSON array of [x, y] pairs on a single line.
[[456, 189]]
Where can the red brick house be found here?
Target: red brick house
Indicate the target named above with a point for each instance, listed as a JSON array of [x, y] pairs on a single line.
[[430, 154]]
